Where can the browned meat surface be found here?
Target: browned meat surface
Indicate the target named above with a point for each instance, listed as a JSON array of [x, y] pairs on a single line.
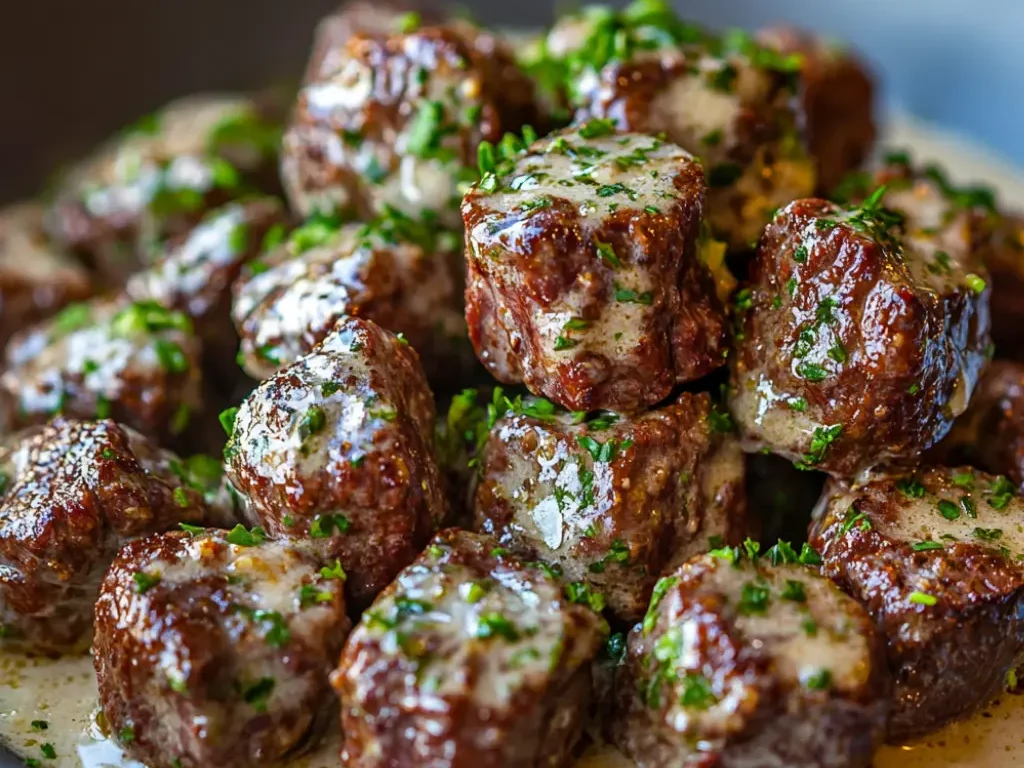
[[71, 495], [395, 120], [836, 99], [863, 333], [935, 557], [1005, 260], [990, 435], [612, 501], [338, 449], [400, 273], [159, 177], [36, 278], [194, 273], [212, 649], [137, 363], [723, 98], [470, 659], [369, 18], [586, 280], [746, 664]]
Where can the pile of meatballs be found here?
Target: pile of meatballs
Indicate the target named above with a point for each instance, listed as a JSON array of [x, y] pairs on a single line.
[[253, 455]]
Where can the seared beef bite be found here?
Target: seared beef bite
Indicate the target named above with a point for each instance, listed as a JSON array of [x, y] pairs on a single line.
[[159, 177], [396, 119], [72, 494], [935, 557], [612, 501], [863, 333], [36, 278], [725, 98], [135, 362], [470, 658], [212, 648], [751, 662], [337, 449], [836, 101], [401, 273], [586, 278]]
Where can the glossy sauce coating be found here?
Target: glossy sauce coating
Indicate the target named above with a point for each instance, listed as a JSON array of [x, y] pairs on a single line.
[[194, 273], [137, 363], [338, 449], [36, 278], [615, 502], [585, 278], [470, 659], [71, 495], [396, 120], [158, 178], [741, 664], [935, 557], [860, 339], [723, 98], [212, 654], [394, 271]]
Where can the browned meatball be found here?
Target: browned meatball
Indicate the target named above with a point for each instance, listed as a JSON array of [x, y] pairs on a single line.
[[338, 447], [744, 664], [612, 501], [396, 120], [157, 179], [370, 18], [936, 559], [137, 363], [36, 279], [836, 99], [194, 273], [585, 279], [71, 494], [396, 271], [863, 333], [990, 435], [724, 98], [212, 650], [471, 659]]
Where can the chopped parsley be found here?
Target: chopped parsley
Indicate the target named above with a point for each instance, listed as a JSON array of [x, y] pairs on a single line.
[[494, 624], [794, 591], [754, 599], [923, 598], [821, 444], [607, 254], [240, 536], [949, 510], [323, 526], [258, 694], [144, 581], [581, 593], [910, 487]]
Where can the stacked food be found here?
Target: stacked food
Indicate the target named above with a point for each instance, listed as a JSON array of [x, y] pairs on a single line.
[[572, 556]]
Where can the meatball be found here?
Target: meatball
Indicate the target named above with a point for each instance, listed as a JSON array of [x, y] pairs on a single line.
[[194, 273], [137, 363], [836, 99], [612, 501], [741, 663], [724, 98], [157, 179], [470, 658], [935, 557], [335, 30], [338, 448], [396, 121], [585, 280], [990, 435], [862, 335], [71, 494], [395, 271], [36, 279], [213, 649]]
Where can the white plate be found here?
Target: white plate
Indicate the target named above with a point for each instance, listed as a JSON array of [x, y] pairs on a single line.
[[63, 692]]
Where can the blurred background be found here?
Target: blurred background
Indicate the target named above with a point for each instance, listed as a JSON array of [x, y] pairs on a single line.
[[73, 72]]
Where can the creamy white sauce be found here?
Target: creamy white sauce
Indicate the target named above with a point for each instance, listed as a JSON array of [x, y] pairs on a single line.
[[63, 692]]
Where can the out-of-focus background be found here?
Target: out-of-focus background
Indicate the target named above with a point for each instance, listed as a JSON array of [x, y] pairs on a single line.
[[72, 72]]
